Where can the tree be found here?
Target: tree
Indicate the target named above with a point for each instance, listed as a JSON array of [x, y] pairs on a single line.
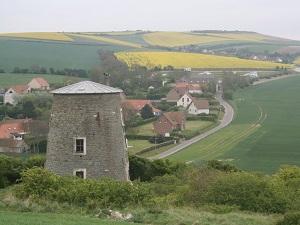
[[52, 71], [129, 115], [16, 70], [37, 132], [147, 112], [29, 109]]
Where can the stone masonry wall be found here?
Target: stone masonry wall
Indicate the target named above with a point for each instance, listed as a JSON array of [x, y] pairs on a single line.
[[96, 117]]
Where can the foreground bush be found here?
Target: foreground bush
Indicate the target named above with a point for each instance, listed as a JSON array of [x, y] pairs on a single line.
[[37, 183], [249, 191], [10, 169], [291, 218]]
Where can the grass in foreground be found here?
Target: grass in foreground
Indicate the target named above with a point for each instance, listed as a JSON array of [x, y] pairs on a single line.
[[31, 218]]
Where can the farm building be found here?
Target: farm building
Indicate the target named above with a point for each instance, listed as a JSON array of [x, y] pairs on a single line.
[[86, 135], [39, 83]]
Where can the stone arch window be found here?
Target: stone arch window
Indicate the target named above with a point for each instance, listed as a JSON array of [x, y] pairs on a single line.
[[79, 146]]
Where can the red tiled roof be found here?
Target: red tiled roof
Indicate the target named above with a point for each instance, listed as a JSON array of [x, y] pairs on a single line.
[[194, 87], [175, 117], [20, 88], [41, 81], [12, 126], [136, 104], [181, 85]]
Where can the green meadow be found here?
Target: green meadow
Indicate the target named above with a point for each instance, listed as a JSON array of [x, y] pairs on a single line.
[[59, 55], [10, 79], [264, 134]]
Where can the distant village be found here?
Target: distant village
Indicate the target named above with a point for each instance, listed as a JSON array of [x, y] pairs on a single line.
[[190, 95]]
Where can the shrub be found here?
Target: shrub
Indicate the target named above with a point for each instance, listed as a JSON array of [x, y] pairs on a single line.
[[36, 160], [37, 184], [157, 139], [10, 169], [290, 218], [146, 170], [249, 191], [219, 165]]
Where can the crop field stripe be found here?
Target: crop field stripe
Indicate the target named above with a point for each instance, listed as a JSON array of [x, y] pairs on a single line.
[[40, 35], [219, 146], [181, 60], [171, 39], [110, 40]]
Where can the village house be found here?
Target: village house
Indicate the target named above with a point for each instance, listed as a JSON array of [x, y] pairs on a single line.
[[180, 89], [198, 106], [172, 96], [39, 83], [169, 121], [14, 91], [185, 100], [137, 105], [12, 135]]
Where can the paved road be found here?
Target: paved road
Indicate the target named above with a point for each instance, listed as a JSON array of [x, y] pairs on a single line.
[[227, 118]]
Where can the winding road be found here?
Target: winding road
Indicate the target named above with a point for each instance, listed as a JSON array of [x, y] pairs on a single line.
[[227, 118]]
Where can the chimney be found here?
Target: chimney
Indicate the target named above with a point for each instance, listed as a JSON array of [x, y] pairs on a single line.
[[106, 78]]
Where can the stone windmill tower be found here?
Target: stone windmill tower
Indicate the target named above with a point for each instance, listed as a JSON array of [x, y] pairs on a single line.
[[86, 136]]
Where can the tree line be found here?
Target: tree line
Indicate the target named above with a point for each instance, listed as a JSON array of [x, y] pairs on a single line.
[[36, 69]]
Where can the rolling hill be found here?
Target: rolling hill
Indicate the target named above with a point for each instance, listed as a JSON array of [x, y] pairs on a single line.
[[79, 50]]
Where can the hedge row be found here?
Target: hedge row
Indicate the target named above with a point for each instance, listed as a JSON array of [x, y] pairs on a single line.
[[155, 147], [142, 122]]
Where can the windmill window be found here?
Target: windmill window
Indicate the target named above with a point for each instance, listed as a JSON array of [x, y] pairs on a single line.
[[81, 173], [79, 146]]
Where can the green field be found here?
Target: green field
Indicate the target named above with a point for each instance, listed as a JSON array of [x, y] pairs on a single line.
[[59, 55], [10, 79], [264, 134], [81, 53]]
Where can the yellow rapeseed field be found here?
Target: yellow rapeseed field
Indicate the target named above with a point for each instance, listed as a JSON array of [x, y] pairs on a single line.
[[110, 40], [180, 60], [40, 35], [297, 61], [171, 39]]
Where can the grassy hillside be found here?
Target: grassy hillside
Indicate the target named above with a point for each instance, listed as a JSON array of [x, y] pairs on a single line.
[[264, 133], [10, 79], [79, 50]]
